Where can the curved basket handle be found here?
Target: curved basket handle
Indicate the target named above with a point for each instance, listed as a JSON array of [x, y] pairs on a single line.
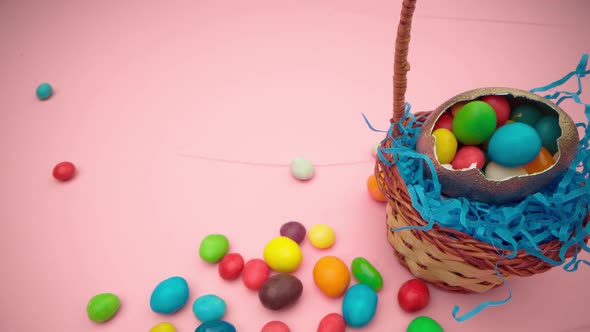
[[401, 65]]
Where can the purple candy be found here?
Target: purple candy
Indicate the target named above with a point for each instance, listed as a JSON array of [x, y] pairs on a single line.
[[293, 230]]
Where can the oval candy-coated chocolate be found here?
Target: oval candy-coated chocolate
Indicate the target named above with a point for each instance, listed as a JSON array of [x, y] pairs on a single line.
[[280, 291], [501, 106], [216, 326], [293, 230], [446, 145], [359, 305], [543, 161], [365, 273], [474, 123], [467, 156], [445, 121], [548, 129], [424, 324], [526, 113], [514, 145]]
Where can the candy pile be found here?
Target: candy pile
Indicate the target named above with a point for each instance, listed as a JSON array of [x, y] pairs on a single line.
[[501, 137]]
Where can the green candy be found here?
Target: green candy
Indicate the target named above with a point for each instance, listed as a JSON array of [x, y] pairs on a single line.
[[213, 248], [526, 114], [103, 307], [365, 273], [474, 123], [424, 324]]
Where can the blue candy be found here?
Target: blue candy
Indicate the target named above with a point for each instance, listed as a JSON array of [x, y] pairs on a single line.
[[549, 130], [169, 296], [44, 91], [216, 326], [515, 144], [359, 305], [209, 307]]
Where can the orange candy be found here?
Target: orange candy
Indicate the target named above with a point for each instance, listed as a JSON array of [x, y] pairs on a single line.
[[331, 275], [374, 190], [457, 107], [543, 161]]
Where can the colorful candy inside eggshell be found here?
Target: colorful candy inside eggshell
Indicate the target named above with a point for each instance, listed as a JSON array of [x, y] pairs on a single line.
[[469, 156], [526, 113], [501, 106], [548, 129], [474, 123], [543, 161], [445, 145], [514, 145], [445, 121]]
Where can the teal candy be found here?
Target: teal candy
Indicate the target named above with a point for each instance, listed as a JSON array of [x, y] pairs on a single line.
[[527, 114], [209, 307], [44, 91], [169, 296], [549, 130], [514, 144], [216, 326], [359, 305]]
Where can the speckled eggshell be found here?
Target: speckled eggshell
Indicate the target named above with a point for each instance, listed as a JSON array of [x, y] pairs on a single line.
[[471, 183]]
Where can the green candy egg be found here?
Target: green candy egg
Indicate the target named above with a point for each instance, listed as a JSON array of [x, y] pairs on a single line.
[[103, 307], [474, 123], [549, 130], [424, 324], [527, 114], [213, 248], [365, 273]]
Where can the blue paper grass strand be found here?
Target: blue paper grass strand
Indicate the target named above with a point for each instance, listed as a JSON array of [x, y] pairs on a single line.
[[555, 213]]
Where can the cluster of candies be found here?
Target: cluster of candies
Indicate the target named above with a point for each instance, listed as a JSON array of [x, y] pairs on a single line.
[[500, 140]]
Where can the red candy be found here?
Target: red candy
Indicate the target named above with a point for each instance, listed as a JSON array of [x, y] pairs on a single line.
[[333, 322], [275, 326], [64, 171], [468, 155], [413, 295], [501, 106], [255, 273], [231, 266], [444, 121]]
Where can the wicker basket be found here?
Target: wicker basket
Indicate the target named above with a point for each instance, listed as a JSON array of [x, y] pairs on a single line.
[[446, 258]]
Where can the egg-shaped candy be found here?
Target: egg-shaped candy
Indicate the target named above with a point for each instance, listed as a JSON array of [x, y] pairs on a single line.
[[543, 161], [359, 305], [331, 276], [446, 145], [445, 121], [527, 114], [474, 123], [501, 106], [468, 156], [548, 129], [496, 172], [514, 144], [170, 295]]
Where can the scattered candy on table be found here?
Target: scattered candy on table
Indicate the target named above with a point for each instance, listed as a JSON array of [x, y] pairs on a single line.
[[321, 236], [424, 324], [216, 326], [293, 230], [213, 248], [302, 169], [333, 322], [209, 307], [103, 307], [331, 276], [163, 327], [44, 91], [169, 295], [280, 291], [365, 273], [231, 266], [374, 189], [275, 326], [359, 305], [255, 273], [64, 171], [413, 295], [282, 254]]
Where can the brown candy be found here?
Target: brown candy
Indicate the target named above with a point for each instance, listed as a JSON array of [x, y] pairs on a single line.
[[280, 291]]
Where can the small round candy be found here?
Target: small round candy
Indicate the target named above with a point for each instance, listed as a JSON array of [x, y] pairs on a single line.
[[275, 326], [213, 248], [231, 265], [321, 236], [497, 172], [293, 230], [103, 307], [365, 273], [216, 326], [549, 130], [302, 169], [444, 121], [331, 276], [474, 123], [209, 307], [333, 322], [255, 273], [527, 114], [282, 254], [457, 107], [424, 324], [163, 327], [445, 145], [467, 156], [514, 145], [501, 106], [413, 295], [374, 190], [64, 171], [44, 91], [543, 161]]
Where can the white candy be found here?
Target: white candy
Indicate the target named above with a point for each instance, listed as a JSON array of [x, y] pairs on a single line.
[[497, 172], [302, 169]]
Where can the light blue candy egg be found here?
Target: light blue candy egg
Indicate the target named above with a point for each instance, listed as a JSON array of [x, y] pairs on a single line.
[[169, 296], [216, 326], [549, 130], [359, 305], [514, 144], [209, 307]]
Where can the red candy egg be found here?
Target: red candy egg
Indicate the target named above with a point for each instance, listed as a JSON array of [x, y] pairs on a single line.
[[444, 121], [255, 273], [231, 266], [64, 171], [413, 295], [275, 326], [333, 322], [501, 106], [468, 155]]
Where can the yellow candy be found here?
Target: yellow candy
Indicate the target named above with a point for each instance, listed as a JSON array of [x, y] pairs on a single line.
[[163, 327], [282, 254], [321, 236], [445, 145]]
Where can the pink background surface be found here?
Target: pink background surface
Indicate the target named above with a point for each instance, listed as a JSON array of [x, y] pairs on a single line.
[[139, 85]]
